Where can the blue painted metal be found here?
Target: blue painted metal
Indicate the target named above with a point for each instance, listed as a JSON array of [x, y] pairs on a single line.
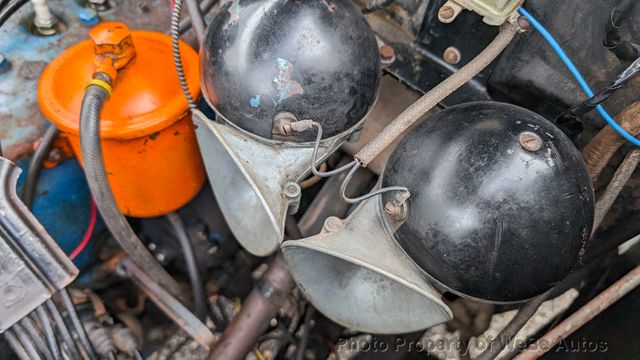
[[62, 205], [21, 122]]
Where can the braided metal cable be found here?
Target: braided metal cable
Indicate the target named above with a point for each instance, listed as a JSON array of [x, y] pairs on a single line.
[[177, 59]]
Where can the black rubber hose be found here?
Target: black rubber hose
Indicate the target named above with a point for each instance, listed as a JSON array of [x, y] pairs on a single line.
[[50, 336], [77, 324], [623, 50], [36, 336], [90, 143], [35, 165], [15, 345], [26, 342], [63, 330], [195, 277], [11, 9]]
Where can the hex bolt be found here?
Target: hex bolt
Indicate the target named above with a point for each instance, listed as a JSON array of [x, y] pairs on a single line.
[[530, 141], [452, 55], [446, 12]]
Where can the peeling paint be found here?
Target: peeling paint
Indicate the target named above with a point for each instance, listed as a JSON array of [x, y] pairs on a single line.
[[331, 7], [255, 102], [284, 82], [234, 11]]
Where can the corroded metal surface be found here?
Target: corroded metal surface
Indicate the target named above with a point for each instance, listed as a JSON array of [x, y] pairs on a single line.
[[21, 122]]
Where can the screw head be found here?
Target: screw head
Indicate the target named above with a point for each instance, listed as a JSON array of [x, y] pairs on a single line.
[[446, 12], [530, 141], [452, 55]]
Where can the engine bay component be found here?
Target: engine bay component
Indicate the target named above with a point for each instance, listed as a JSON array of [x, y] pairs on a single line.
[[493, 12], [32, 265], [146, 131], [279, 72], [494, 190], [354, 264]]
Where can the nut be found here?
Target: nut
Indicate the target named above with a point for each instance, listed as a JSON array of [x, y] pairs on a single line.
[[333, 224], [396, 211], [292, 190], [452, 55], [530, 141]]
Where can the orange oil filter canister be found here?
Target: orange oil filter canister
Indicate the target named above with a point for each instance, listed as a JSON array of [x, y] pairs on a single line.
[[149, 146]]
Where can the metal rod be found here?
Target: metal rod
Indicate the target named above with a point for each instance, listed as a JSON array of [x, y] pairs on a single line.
[[77, 324], [620, 178], [169, 305], [36, 336], [258, 309], [15, 345], [585, 314], [432, 98], [26, 342], [50, 336], [64, 330]]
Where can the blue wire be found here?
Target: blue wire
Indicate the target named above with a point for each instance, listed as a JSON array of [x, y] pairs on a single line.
[[576, 73]]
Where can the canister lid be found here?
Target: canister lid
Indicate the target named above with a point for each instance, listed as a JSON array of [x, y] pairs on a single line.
[[146, 93]]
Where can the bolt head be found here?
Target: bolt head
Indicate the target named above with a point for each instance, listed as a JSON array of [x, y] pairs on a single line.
[[332, 224], [530, 141], [446, 12], [292, 190], [387, 54], [452, 55]]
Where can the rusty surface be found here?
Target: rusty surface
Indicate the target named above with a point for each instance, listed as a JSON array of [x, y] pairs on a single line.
[[607, 142], [585, 314], [21, 123]]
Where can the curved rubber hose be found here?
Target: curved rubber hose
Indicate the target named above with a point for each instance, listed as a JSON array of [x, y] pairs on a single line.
[[199, 293], [35, 165], [98, 180]]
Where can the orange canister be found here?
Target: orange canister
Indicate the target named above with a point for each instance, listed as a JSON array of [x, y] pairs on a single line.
[[149, 146]]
